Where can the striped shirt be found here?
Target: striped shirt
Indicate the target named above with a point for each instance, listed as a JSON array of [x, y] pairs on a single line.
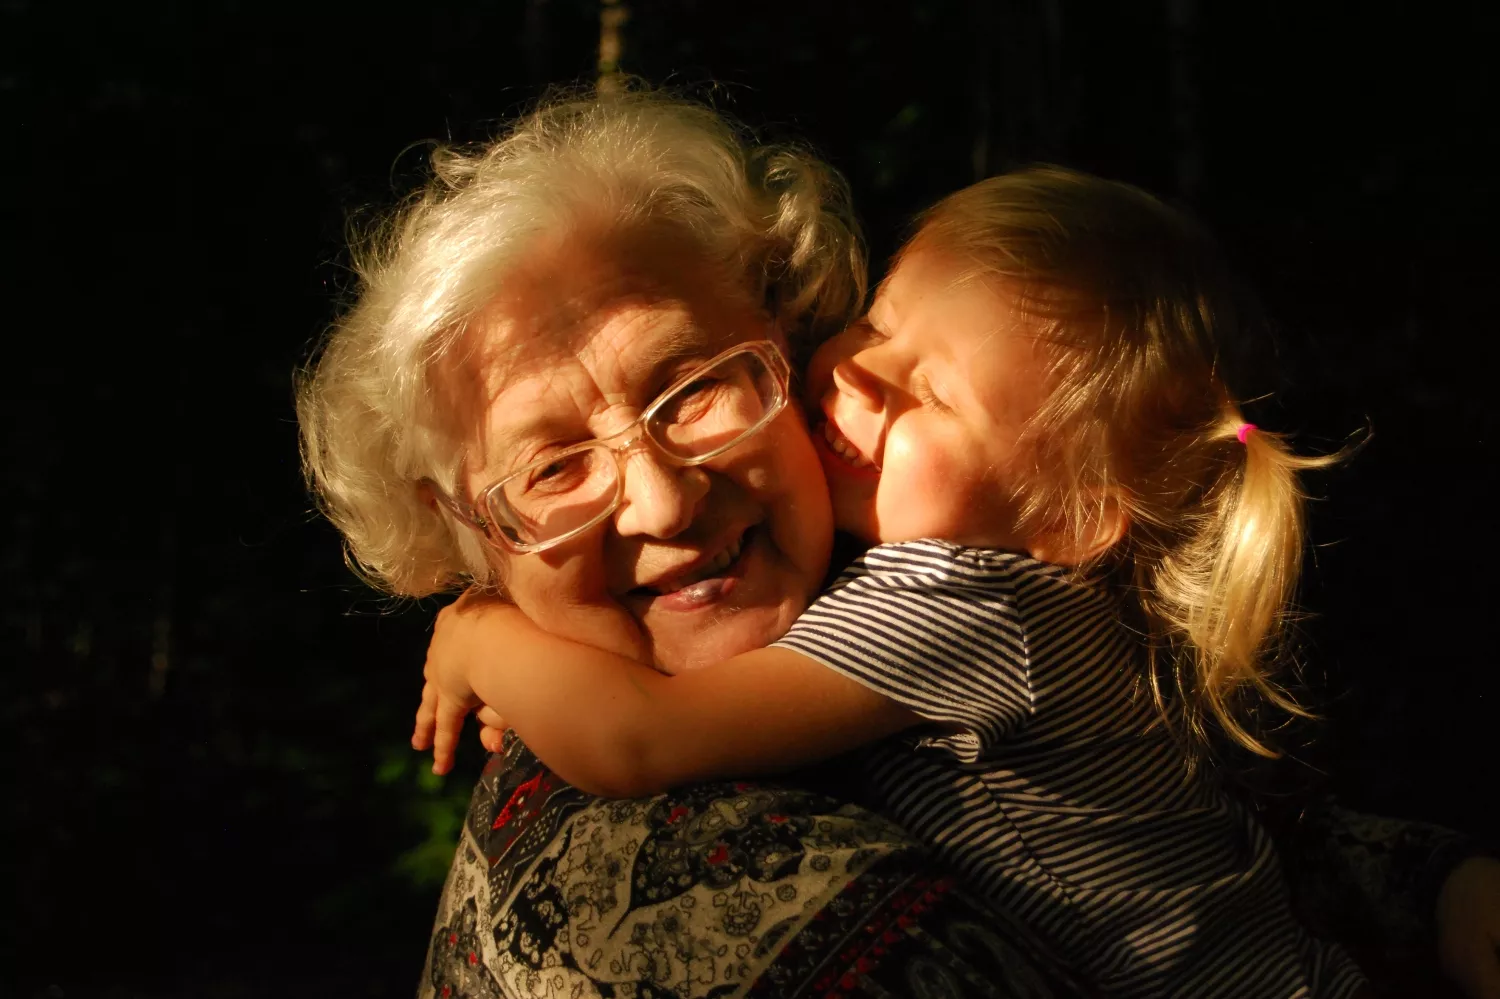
[[1044, 780]]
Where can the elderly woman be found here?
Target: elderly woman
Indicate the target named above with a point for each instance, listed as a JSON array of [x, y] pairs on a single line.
[[502, 407], [549, 292]]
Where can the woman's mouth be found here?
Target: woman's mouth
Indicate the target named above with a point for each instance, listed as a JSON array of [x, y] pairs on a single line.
[[705, 574], [706, 584]]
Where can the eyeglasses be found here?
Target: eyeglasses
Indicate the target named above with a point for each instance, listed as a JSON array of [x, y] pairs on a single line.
[[704, 414]]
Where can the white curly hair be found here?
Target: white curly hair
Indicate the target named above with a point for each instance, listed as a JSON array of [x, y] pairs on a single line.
[[774, 217]]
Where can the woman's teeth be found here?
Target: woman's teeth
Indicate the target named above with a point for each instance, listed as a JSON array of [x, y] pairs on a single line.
[[841, 446], [721, 562], [726, 557]]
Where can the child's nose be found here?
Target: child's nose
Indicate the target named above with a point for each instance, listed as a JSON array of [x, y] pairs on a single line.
[[855, 381]]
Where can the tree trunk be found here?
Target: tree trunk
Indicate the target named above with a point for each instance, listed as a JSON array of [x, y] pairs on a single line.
[[983, 23], [1182, 17], [612, 17], [535, 41]]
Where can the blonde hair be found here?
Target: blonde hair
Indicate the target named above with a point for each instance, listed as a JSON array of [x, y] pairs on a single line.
[[774, 219], [1135, 311]]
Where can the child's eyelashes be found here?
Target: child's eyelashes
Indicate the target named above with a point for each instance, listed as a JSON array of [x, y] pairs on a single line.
[[922, 389]]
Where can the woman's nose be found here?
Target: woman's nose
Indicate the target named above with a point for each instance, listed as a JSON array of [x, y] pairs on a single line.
[[660, 500]]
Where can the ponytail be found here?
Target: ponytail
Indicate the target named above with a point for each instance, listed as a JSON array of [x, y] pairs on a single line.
[[1218, 595]]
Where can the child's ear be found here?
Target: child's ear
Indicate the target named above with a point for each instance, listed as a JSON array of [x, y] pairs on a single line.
[[1097, 536]]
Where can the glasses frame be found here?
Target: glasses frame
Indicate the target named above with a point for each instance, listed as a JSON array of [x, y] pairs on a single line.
[[766, 350]]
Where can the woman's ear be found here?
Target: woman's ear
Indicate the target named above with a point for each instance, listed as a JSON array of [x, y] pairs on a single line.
[[1104, 529]]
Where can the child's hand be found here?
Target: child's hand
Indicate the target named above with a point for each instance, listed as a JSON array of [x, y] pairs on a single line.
[[448, 696], [1468, 920], [440, 721], [491, 728]]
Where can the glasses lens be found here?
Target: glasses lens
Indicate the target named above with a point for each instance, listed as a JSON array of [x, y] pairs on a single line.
[[550, 500], [718, 408]]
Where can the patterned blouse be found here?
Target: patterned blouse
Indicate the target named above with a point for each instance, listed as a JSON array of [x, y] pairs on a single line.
[[718, 890]]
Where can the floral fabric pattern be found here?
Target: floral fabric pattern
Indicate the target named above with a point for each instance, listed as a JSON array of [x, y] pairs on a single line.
[[717, 890]]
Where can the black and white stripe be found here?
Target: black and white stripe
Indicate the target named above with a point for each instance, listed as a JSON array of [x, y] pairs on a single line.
[[1043, 777]]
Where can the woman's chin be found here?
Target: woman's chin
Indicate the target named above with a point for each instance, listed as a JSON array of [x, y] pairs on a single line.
[[767, 597], [740, 631]]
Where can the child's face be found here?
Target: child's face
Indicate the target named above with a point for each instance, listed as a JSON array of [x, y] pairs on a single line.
[[925, 400]]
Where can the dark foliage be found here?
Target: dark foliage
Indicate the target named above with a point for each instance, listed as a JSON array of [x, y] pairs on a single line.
[[212, 794]]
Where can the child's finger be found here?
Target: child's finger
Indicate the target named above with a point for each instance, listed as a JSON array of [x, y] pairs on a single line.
[[1483, 978], [491, 728], [450, 722], [421, 737], [490, 718], [1476, 970]]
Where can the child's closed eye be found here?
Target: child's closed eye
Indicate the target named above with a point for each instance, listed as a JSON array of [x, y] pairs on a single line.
[[922, 389]]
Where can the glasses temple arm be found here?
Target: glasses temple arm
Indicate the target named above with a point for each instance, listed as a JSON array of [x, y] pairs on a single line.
[[462, 511]]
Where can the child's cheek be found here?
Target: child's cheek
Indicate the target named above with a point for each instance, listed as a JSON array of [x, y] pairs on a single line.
[[930, 489], [905, 498]]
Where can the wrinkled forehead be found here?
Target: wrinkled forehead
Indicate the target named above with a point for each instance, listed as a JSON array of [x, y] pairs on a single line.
[[582, 328]]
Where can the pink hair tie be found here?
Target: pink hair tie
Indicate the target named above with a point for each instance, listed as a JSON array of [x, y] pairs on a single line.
[[1244, 429]]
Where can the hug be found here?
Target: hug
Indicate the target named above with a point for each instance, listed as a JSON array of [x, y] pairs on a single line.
[[617, 375]]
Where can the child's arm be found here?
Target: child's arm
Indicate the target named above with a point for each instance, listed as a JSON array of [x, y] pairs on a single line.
[[1468, 923], [612, 726]]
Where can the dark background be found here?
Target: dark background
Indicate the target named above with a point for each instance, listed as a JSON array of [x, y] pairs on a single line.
[[212, 794]]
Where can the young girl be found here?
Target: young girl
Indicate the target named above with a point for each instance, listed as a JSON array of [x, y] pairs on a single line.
[[1085, 556]]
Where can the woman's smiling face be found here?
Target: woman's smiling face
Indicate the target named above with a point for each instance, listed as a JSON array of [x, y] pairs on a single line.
[[924, 404], [575, 349]]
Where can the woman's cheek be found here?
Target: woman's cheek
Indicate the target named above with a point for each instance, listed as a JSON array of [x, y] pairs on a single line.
[[820, 369], [791, 462], [565, 591], [806, 520]]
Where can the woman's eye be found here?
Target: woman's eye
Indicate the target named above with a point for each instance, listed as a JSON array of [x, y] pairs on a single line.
[[696, 387], [558, 474], [691, 401], [548, 471]]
